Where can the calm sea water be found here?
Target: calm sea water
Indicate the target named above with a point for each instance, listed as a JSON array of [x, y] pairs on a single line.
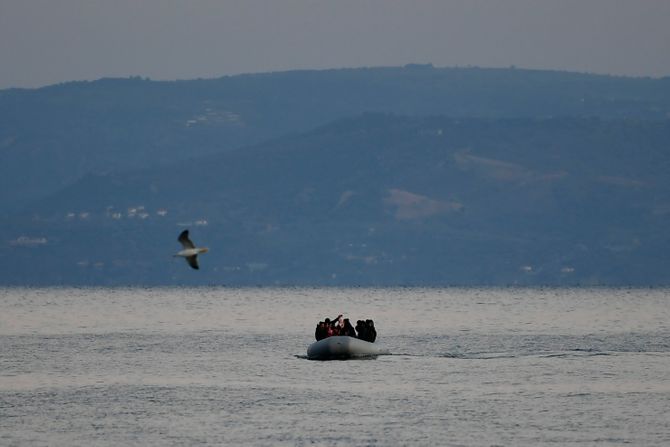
[[218, 366]]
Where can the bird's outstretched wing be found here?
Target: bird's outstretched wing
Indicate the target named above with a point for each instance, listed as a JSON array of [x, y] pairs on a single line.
[[185, 241], [193, 261]]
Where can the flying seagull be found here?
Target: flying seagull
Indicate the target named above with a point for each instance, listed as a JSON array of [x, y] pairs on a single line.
[[190, 251]]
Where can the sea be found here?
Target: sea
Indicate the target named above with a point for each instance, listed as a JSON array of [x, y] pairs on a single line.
[[227, 366]]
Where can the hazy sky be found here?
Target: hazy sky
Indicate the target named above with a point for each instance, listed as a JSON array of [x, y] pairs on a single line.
[[49, 41]]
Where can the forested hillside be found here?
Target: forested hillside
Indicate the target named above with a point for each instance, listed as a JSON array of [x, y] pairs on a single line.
[[397, 176]]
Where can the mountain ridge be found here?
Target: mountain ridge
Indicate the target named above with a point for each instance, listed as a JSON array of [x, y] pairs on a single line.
[[51, 136]]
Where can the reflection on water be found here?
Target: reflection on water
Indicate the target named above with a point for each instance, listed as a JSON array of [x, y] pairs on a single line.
[[225, 366]]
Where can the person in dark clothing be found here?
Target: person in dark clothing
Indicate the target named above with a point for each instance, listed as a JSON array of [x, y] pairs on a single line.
[[371, 331], [348, 329], [321, 331], [360, 330]]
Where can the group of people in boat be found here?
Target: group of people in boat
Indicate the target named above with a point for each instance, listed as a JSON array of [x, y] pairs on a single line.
[[365, 329]]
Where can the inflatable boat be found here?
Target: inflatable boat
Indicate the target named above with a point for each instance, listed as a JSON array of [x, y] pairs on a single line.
[[342, 347]]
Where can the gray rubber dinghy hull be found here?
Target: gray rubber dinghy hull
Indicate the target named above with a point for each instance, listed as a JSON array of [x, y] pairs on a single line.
[[343, 347]]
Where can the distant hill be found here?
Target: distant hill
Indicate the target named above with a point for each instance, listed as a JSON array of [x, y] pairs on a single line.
[[52, 137], [375, 199]]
